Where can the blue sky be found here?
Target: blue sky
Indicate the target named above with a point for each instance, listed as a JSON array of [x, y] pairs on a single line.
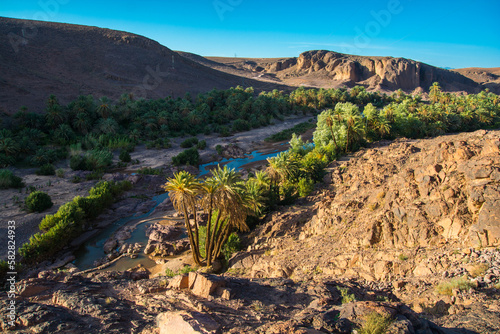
[[442, 33]]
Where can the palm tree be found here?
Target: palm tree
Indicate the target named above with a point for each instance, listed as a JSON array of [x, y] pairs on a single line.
[[183, 190], [435, 92], [231, 210], [103, 109], [329, 123]]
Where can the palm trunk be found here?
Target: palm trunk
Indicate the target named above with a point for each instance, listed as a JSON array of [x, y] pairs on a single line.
[[347, 141], [212, 237], [207, 240], [194, 250], [222, 241], [334, 140]]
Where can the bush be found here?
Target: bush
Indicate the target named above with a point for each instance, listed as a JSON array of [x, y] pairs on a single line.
[[376, 323], [219, 149], [69, 220], [78, 162], [232, 245], [60, 173], [9, 180], [460, 283], [188, 157], [149, 171], [202, 145], [305, 187], [38, 201], [190, 142], [47, 169], [125, 156]]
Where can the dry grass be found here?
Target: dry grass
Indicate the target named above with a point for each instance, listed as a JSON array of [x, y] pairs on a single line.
[[460, 283], [478, 269], [375, 323]]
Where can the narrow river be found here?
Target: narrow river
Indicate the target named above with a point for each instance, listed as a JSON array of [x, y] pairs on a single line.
[[92, 249]]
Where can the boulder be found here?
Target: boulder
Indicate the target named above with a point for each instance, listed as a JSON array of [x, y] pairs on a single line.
[[203, 285], [183, 322], [179, 282]]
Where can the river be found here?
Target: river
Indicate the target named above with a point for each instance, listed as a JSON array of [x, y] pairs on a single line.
[[92, 249]]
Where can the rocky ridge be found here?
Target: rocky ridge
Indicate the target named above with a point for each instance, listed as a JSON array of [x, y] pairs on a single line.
[[322, 68]]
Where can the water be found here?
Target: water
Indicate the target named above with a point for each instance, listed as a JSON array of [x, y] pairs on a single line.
[[92, 250]]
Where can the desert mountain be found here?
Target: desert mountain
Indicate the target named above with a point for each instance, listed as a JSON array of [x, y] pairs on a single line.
[[488, 77], [332, 69], [42, 58]]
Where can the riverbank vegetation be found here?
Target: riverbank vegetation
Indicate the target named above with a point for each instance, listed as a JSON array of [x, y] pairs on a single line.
[[72, 218]]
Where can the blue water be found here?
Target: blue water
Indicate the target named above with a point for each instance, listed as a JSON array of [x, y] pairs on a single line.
[[237, 163], [92, 249]]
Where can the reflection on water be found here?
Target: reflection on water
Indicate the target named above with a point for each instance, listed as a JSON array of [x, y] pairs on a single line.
[[92, 250]]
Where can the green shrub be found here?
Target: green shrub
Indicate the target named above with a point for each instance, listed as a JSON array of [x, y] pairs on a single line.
[[78, 162], [9, 180], [38, 201], [149, 171], [232, 245], [125, 156], [202, 145], [219, 149], [190, 142], [47, 169], [188, 157], [376, 323], [447, 287], [99, 159], [305, 187], [60, 173], [346, 296], [69, 220], [240, 125]]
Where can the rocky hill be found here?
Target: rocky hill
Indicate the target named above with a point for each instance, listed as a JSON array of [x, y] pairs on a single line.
[[332, 69], [488, 77], [43, 58], [407, 229]]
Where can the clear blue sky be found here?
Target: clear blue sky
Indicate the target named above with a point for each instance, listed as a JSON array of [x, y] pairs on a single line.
[[442, 33]]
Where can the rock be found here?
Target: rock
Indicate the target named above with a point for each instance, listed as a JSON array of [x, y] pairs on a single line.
[[33, 286], [488, 222], [179, 282], [183, 322], [203, 285], [110, 245]]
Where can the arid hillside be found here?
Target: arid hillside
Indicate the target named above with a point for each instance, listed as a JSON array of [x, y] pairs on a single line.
[[488, 77], [42, 58], [332, 69]]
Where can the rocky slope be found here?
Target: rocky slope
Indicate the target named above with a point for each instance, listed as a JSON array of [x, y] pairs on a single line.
[[43, 58], [488, 77], [323, 68], [389, 225]]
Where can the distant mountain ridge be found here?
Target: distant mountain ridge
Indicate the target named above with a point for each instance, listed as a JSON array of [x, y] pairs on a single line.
[[69, 60], [42, 58], [322, 68]]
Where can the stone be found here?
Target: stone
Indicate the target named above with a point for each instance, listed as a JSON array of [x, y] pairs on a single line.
[[183, 322], [179, 282], [203, 285]]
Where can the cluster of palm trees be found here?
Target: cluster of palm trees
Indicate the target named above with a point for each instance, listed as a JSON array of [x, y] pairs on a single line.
[[225, 199]]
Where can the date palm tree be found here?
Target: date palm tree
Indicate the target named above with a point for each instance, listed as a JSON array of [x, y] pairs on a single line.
[[183, 190]]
